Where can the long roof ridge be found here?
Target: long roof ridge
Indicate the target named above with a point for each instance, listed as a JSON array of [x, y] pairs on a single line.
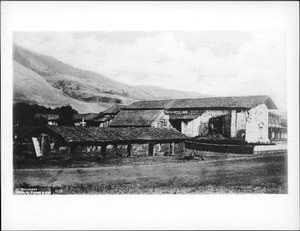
[[208, 102], [213, 97]]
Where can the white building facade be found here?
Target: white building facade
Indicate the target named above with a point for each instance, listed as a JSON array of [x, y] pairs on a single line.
[[244, 117]]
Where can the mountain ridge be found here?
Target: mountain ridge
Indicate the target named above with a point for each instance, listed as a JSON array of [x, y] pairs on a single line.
[[84, 90]]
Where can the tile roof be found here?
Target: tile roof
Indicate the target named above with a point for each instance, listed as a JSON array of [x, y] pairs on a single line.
[[104, 119], [278, 112], [115, 135], [21, 132], [112, 110], [135, 118], [87, 116], [245, 102], [184, 115]]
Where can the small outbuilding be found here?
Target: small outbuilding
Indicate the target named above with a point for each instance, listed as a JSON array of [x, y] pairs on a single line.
[[52, 119], [141, 118], [106, 116]]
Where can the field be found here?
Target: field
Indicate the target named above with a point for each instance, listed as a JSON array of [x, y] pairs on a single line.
[[217, 173]]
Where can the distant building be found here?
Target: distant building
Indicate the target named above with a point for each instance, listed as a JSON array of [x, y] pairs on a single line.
[[141, 118], [101, 119], [277, 127], [244, 117], [105, 117], [88, 119], [52, 119]]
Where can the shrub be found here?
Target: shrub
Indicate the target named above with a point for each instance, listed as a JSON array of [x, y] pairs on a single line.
[[219, 139]]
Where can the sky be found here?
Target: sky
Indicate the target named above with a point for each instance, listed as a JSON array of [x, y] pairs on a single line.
[[214, 63]]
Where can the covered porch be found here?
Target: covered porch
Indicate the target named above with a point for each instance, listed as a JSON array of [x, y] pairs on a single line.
[[99, 143]]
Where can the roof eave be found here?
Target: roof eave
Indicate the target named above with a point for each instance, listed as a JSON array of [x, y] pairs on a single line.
[[131, 125], [189, 108], [270, 103]]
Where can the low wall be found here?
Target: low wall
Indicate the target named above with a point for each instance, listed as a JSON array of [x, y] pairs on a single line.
[[270, 149], [241, 149]]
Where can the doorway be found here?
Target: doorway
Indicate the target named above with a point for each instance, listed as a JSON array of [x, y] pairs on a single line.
[[221, 125], [176, 124]]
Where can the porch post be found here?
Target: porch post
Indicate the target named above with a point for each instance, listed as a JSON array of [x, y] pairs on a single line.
[[103, 150], [233, 125], [150, 149], [43, 144], [172, 147], [183, 147], [128, 149], [116, 150], [73, 150]]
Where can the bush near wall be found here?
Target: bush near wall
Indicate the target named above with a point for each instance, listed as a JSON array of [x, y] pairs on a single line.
[[230, 141], [213, 147]]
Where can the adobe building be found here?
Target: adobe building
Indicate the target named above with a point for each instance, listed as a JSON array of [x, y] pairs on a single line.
[[52, 119], [244, 117], [277, 127], [106, 116], [141, 118]]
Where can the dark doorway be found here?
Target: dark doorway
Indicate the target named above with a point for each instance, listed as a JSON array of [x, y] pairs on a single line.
[[176, 124], [220, 125], [216, 125]]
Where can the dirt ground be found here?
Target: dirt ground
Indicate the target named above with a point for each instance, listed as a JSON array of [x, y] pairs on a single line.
[[263, 173], [52, 162]]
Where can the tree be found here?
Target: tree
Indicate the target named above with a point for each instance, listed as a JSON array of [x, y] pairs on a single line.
[[24, 114], [66, 114]]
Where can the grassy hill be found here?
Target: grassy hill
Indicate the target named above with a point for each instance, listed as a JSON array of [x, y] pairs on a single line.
[[32, 88], [46, 81]]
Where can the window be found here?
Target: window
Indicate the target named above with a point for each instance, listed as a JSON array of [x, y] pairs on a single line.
[[165, 122]]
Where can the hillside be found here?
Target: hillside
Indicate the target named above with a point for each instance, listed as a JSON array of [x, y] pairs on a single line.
[[51, 82], [32, 88], [163, 93]]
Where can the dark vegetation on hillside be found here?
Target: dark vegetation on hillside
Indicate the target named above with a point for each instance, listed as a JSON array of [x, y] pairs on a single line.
[[24, 114], [80, 92], [103, 99]]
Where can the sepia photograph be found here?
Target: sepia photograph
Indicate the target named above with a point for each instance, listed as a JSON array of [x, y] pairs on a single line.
[[150, 115]]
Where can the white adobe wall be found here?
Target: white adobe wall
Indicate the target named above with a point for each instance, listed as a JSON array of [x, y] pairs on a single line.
[[162, 121], [257, 124], [191, 128], [199, 126], [240, 124], [233, 124], [241, 120], [254, 122]]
